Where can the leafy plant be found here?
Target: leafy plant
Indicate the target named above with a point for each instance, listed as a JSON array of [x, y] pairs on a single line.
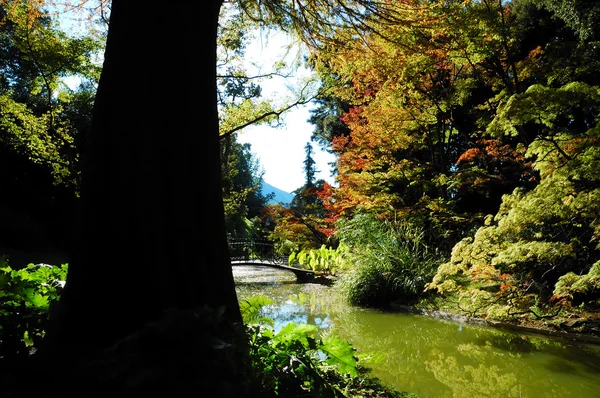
[[324, 259], [295, 361], [251, 307], [579, 288], [25, 298]]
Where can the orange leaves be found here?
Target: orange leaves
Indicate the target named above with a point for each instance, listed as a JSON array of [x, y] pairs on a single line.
[[353, 116], [360, 164], [338, 143], [493, 155], [490, 151], [490, 277], [416, 107], [505, 284], [578, 144], [531, 65], [484, 273], [25, 13], [470, 155], [326, 194], [493, 166]]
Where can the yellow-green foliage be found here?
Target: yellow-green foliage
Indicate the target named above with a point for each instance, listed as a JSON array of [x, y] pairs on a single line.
[[34, 104], [469, 257], [535, 252], [40, 137], [544, 241], [246, 112], [25, 298], [323, 259], [571, 285]]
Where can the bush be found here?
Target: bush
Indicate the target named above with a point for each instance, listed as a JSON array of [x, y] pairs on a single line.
[[390, 259], [25, 298]]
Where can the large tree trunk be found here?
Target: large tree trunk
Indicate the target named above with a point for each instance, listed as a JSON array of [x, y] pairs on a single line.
[[152, 234]]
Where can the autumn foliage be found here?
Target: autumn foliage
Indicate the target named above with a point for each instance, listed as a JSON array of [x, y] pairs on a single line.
[[477, 122]]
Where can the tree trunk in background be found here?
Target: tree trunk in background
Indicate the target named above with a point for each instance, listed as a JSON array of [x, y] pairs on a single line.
[[152, 234]]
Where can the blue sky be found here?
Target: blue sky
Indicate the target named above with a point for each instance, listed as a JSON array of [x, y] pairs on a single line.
[[281, 150]]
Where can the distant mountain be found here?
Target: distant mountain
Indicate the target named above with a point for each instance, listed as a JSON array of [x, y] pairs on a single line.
[[281, 196]]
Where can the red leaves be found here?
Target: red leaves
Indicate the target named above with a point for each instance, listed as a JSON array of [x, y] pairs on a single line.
[[497, 158]]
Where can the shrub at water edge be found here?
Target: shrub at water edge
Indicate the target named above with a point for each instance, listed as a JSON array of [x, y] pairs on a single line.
[[391, 262]]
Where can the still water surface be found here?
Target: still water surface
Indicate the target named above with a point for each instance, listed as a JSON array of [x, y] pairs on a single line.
[[431, 357]]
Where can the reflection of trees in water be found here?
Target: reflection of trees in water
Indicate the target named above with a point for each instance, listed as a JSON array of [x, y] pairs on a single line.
[[472, 380], [395, 345], [299, 303], [476, 380], [442, 359], [477, 371]]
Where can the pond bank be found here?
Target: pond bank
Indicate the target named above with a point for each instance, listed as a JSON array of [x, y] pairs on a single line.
[[591, 335], [590, 338]]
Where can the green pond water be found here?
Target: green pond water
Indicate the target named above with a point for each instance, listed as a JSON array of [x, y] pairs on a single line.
[[431, 357]]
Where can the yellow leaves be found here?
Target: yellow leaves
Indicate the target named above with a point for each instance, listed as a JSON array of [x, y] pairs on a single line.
[[24, 13], [570, 285], [568, 200], [535, 252]]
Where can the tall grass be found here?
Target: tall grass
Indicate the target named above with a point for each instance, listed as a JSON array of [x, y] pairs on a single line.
[[391, 262]]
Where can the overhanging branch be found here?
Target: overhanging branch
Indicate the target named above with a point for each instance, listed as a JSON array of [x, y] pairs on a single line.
[[277, 113]]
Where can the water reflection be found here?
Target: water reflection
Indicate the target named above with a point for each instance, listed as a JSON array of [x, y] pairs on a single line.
[[438, 358]]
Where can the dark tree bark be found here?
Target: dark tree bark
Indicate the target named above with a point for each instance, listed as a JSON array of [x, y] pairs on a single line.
[[152, 234]]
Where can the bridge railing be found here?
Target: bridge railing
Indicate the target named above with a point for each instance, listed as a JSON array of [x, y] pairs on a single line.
[[247, 250]]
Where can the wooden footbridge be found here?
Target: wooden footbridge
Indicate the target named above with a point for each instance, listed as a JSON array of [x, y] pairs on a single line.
[[262, 253]]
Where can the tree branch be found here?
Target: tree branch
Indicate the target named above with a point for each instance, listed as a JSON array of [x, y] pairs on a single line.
[[266, 75], [276, 113]]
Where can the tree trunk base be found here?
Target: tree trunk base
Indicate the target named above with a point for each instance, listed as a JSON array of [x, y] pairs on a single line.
[[185, 353]]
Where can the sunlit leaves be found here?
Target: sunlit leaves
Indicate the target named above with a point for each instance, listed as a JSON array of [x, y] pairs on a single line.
[[341, 354], [555, 111], [574, 287], [412, 95], [245, 113], [25, 298], [543, 239], [240, 98], [251, 308], [43, 139], [294, 357], [35, 105], [325, 259]]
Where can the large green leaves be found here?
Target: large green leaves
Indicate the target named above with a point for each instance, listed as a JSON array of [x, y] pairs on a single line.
[[341, 354], [25, 298]]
